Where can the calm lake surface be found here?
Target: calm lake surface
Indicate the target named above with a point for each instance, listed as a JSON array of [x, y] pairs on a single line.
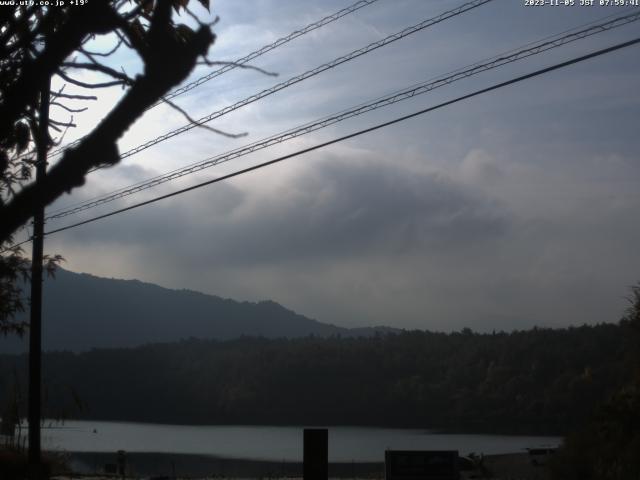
[[269, 443]]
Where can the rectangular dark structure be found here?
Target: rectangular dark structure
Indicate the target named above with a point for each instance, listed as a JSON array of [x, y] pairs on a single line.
[[421, 465], [316, 454]]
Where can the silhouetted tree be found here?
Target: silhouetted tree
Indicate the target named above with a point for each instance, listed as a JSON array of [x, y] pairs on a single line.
[[632, 317], [37, 43], [607, 447]]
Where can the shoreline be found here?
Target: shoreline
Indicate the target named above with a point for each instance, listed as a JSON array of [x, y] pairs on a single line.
[[151, 464], [166, 466], [452, 429]]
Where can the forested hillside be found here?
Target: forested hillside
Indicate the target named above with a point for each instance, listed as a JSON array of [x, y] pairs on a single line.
[[537, 381], [83, 311]]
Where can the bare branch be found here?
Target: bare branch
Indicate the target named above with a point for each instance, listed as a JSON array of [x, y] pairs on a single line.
[[159, 48], [89, 56], [25, 38], [123, 39], [57, 94], [23, 156], [100, 68], [103, 54], [89, 85], [200, 22], [63, 124], [134, 13], [58, 142], [94, 17], [130, 38], [211, 63], [202, 125], [76, 97], [73, 110]]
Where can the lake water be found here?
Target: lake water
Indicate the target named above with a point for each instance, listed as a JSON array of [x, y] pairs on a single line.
[[346, 444]]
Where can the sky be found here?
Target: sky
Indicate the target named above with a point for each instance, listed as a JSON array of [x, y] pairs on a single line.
[[513, 209]]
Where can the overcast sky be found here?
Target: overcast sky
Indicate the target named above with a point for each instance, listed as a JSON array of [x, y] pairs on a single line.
[[513, 209]]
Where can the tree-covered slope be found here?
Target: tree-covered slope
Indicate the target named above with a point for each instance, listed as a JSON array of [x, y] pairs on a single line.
[[83, 311], [537, 381]]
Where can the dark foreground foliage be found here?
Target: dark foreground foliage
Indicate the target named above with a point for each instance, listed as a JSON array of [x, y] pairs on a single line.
[[537, 381], [13, 464], [607, 446]]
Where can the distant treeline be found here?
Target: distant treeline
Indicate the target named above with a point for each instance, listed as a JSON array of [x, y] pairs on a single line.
[[536, 381]]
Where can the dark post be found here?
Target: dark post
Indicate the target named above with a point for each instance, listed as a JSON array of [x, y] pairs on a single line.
[[316, 454], [122, 462], [35, 326]]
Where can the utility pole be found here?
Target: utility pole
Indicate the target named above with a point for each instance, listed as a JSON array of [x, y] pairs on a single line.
[[35, 325]]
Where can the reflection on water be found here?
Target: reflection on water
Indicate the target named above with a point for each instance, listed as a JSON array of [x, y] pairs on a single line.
[[270, 443]]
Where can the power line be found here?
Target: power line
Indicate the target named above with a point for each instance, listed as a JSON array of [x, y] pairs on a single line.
[[355, 134], [309, 73], [247, 58], [397, 96], [267, 48], [16, 245], [419, 89]]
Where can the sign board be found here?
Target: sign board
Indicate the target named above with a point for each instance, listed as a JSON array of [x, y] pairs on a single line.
[[122, 461], [316, 454], [421, 465]]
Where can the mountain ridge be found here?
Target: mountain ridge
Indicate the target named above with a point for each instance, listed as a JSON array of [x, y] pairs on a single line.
[[82, 311]]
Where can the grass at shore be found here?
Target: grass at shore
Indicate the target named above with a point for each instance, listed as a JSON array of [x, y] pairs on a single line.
[[170, 466], [74, 466]]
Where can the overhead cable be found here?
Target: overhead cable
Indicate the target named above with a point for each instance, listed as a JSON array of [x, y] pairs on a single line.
[[267, 48], [354, 134], [419, 89], [251, 56], [308, 74]]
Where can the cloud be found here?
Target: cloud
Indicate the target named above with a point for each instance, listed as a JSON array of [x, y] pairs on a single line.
[[338, 208], [508, 210], [324, 227]]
